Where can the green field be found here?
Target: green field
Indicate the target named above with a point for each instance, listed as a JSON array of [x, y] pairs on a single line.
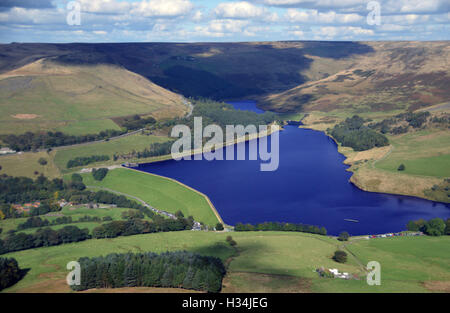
[[283, 261], [46, 95], [424, 152], [74, 212], [122, 145], [27, 165], [88, 127], [161, 193]]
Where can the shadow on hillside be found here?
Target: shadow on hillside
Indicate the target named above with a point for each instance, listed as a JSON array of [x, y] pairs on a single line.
[[213, 70]]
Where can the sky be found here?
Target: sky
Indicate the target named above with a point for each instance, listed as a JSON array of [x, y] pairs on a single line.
[[222, 20]]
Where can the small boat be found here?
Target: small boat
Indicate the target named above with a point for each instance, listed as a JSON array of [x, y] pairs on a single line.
[[349, 220]]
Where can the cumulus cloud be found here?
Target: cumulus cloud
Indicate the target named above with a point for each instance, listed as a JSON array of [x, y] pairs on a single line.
[[104, 6], [344, 32], [192, 20], [243, 10], [314, 16], [162, 8], [387, 6]]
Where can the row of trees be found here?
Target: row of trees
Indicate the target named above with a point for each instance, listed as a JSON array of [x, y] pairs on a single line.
[[10, 273], [171, 269], [136, 122], [275, 226], [136, 226], [396, 125], [33, 141], [352, 133], [37, 222], [49, 237], [155, 149], [433, 227], [82, 161], [44, 237]]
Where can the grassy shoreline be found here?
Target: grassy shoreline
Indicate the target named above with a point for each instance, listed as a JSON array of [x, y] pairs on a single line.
[[369, 178]]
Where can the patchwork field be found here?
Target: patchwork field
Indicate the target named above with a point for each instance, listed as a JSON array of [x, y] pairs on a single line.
[[161, 193], [263, 262], [121, 146], [74, 212]]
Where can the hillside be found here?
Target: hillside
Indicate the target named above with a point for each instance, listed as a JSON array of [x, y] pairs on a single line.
[[213, 70], [395, 76], [78, 99]]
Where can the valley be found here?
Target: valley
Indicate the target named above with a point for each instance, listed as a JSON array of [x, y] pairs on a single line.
[[70, 108]]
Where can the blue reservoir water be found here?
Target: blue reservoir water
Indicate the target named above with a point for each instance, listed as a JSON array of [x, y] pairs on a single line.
[[311, 186]]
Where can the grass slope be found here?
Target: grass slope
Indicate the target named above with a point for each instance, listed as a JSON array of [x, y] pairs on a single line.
[[424, 152], [265, 262], [118, 146], [161, 193], [79, 99], [75, 213]]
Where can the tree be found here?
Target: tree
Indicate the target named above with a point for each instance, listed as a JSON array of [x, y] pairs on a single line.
[[219, 227], [447, 227], [230, 241], [340, 256], [10, 272], [179, 214], [401, 168], [412, 226], [343, 236], [99, 174], [77, 178], [42, 161], [435, 227]]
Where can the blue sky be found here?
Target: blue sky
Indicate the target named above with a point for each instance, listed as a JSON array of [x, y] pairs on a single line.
[[223, 20]]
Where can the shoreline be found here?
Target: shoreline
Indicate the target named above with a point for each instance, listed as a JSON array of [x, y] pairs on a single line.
[[270, 131], [211, 205], [357, 182]]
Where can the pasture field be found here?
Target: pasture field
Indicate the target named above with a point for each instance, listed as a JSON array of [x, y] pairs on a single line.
[[122, 145], [26, 164], [425, 153], [75, 212], [263, 261], [87, 127], [47, 95], [159, 192]]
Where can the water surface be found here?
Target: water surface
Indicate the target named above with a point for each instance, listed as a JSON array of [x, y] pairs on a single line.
[[311, 186]]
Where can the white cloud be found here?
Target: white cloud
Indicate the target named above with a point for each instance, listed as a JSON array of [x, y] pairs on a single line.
[[341, 32], [104, 6], [314, 16], [162, 8], [243, 10]]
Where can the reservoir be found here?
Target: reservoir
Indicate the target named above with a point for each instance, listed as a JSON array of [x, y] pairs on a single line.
[[311, 186]]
